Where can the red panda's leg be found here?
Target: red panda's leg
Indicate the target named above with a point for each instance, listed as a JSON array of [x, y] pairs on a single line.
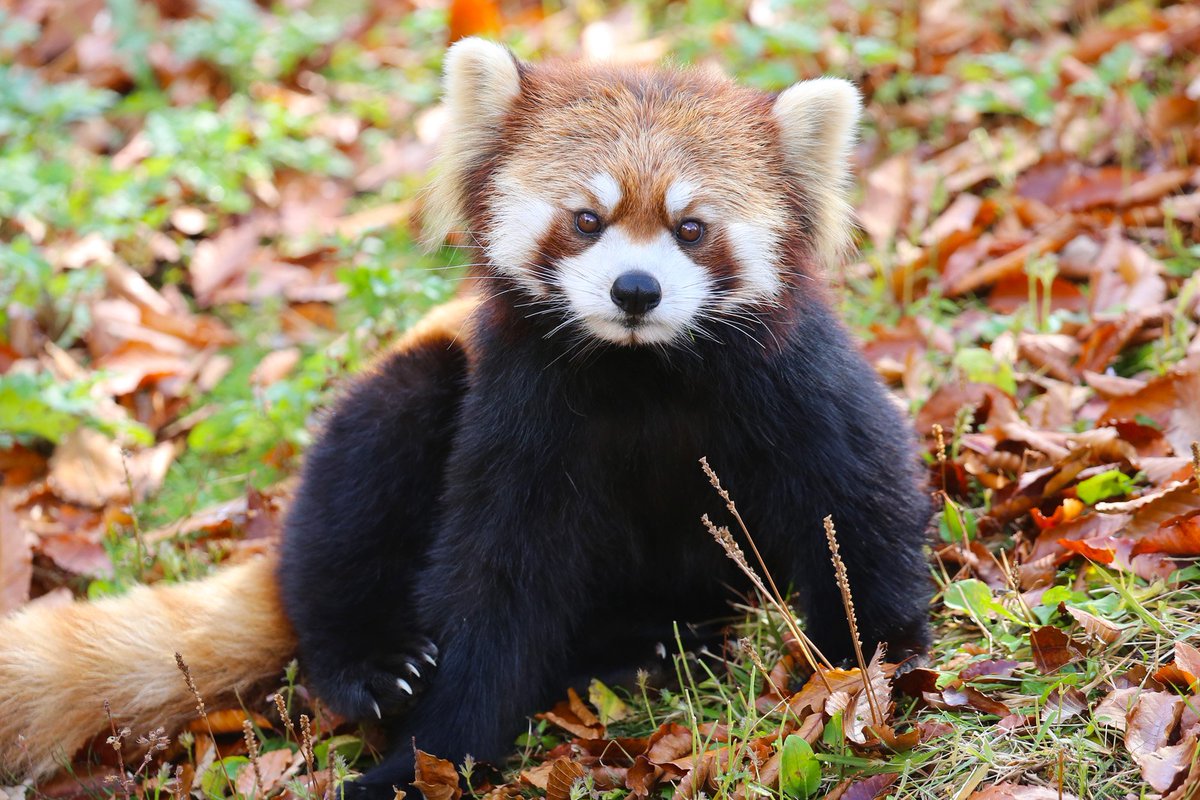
[[361, 524], [509, 580]]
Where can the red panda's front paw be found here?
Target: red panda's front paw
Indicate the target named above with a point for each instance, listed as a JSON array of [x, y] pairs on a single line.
[[380, 687]]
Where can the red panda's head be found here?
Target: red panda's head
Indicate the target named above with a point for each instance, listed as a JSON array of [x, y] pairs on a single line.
[[640, 203]]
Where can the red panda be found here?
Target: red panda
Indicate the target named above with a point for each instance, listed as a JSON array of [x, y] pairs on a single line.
[[511, 496]]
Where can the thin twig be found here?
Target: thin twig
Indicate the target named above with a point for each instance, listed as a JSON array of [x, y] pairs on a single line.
[[843, 582], [142, 550], [203, 712], [806, 645], [253, 750], [310, 757]]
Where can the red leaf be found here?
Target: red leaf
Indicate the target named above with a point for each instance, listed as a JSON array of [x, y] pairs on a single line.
[[1179, 536], [1101, 555]]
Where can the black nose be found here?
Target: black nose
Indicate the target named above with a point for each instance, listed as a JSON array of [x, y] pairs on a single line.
[[636, 292]]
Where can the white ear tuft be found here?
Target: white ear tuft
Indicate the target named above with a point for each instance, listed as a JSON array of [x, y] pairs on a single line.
[[818, 123], [480, 81]]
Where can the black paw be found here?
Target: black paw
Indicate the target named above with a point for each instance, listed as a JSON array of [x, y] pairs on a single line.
[[396, 772], [362, 789], [379, 687]]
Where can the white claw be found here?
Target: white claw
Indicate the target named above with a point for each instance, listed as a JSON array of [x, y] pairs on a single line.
[[413, 669], [375, 706], [429, 659], [403, 684]]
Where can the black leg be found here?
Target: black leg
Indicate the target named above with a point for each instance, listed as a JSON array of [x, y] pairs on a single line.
[[359, 529]]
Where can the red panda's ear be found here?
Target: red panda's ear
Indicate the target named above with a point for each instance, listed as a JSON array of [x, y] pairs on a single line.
[[818, 123], [481, 79]]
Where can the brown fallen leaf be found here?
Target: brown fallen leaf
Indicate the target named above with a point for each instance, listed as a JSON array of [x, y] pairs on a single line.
[[1162, 768], [272, 766], [875, 786], [1013, 791], [16, 555], [1049, 239], [643, 777], [1179, 536], [1063, 704], [669, 742], [1151, 721], [275, 366], [1053, 649], [1096, 627], [87, 469], [563, 774], [992, 668], [573, 716], [436, 778]]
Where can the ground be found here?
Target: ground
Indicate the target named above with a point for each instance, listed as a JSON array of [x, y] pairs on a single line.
[[207, 216]]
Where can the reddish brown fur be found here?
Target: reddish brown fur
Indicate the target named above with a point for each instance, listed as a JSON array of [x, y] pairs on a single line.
[[646, 129]]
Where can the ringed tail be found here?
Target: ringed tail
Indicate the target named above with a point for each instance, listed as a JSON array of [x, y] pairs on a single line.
[[59, 664]]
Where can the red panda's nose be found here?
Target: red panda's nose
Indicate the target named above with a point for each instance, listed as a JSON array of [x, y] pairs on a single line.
[[636, 292]]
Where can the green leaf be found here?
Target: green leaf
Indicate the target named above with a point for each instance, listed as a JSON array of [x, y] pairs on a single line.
[[350, 747], [975, 598], [611, 707], [834, 737], [959, 524], [1113, 483], [799, 771], [215, 781], [981, 366]]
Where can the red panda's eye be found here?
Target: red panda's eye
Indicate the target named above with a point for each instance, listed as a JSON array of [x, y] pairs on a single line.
[[587, 223], [689, 231]]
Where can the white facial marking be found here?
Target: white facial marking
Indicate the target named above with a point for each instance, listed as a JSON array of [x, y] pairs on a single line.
[[678, 196], [607, 191], [521, 220], [754, 247], [587, 279]]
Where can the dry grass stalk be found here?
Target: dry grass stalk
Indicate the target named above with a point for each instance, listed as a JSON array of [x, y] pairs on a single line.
[[747, 647], [252, 751], [155, 742], [939, 435], [115, 741], [284, 716], [774, 596], [727, 542], [330, 786], [175, 785], [843, 582], [202, 711], [1196, 464], [310, 757], [142, 551]]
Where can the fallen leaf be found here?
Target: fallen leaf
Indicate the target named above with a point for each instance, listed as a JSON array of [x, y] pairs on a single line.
[[1151, 721], [87, 469], [1013, 791], [1162, 768], [16, 556], [563, 774], [1096, 627], [1053, 649], [992, 668], [1179, 536], [436, 778]]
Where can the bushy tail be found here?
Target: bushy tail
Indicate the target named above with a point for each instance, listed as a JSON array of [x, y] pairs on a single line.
[[59, 664]]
